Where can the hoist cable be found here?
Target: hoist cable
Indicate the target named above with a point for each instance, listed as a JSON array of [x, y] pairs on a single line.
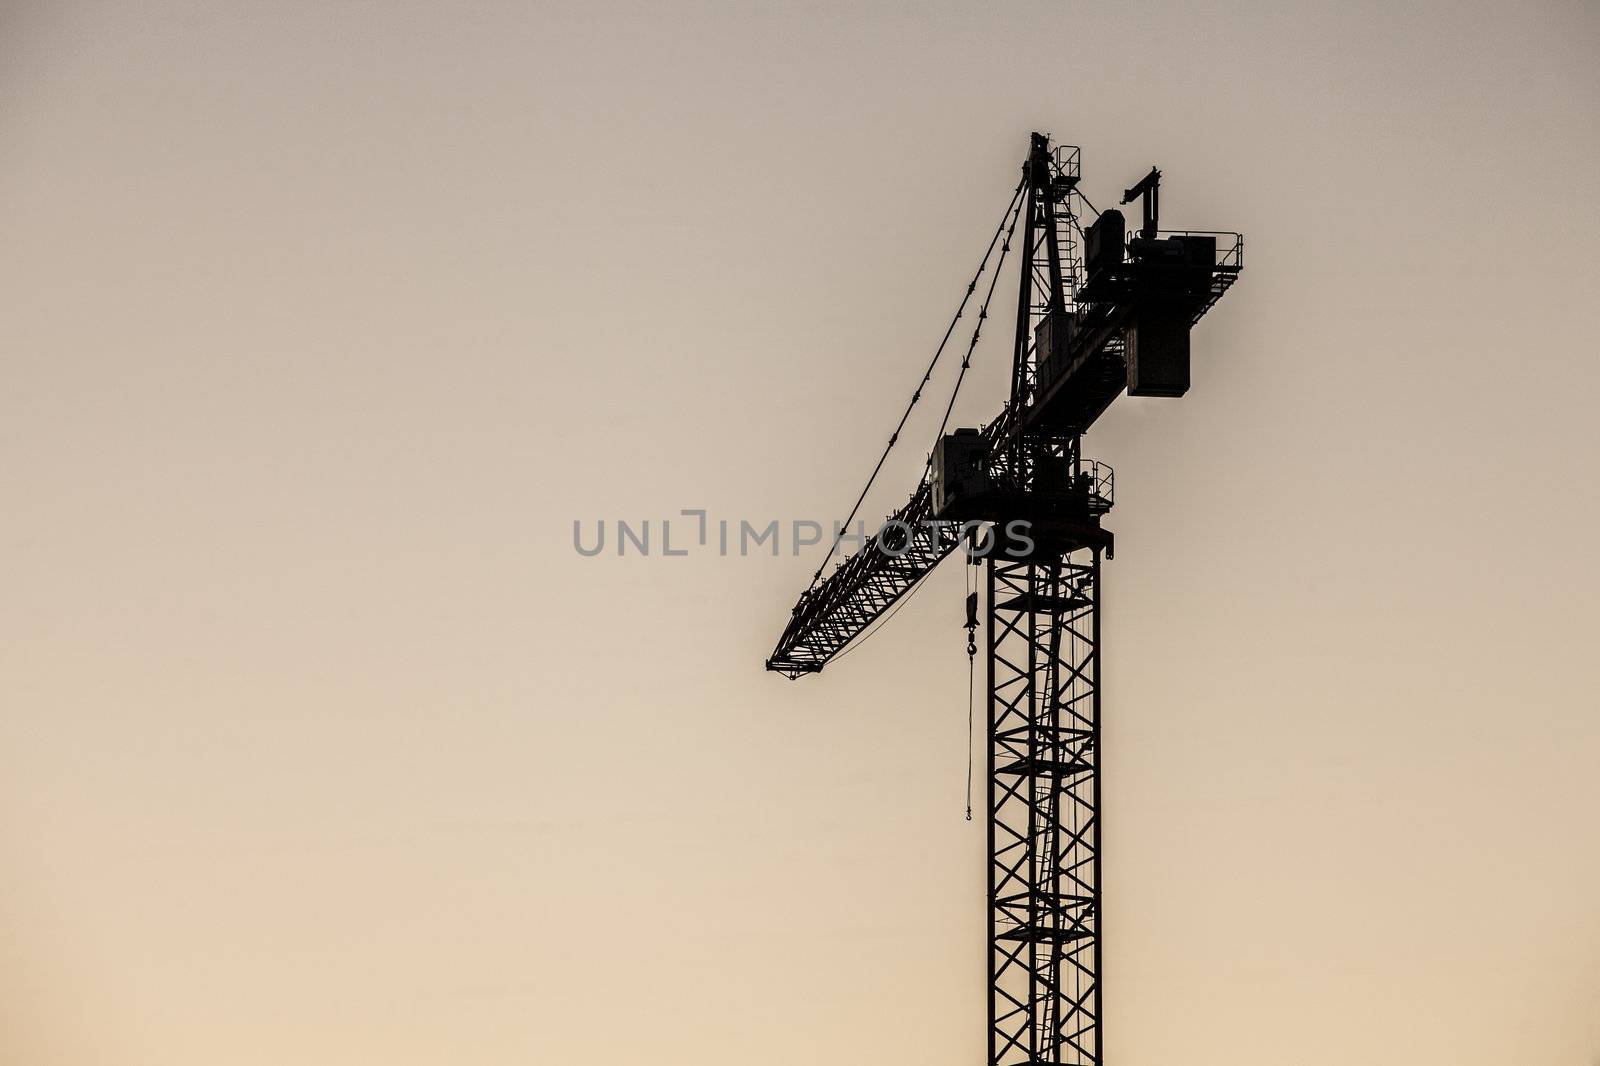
[[927, 376], [972, 652], [970, 699]]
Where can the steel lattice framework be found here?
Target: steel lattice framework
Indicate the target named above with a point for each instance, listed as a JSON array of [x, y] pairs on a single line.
[[1043, 636]]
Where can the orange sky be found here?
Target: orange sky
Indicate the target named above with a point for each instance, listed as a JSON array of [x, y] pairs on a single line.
[[323, 322]]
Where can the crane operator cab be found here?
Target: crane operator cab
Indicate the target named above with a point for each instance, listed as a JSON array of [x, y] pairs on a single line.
[[962, 488]]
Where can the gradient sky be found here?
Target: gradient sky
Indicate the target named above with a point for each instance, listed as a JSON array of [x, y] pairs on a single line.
[[323, 322]]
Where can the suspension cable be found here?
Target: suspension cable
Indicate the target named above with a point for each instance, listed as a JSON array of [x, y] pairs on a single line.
[[1072, 216], [983, 313], [927, 375]]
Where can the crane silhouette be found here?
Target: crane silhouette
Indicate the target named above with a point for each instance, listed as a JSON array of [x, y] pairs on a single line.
[[1099, 312]]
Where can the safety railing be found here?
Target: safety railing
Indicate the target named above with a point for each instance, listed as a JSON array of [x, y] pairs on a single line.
[[1102, 486], [1230, 246], [1066, 160]]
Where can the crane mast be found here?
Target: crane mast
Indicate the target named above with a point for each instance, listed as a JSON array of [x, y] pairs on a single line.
[[1098, 313]]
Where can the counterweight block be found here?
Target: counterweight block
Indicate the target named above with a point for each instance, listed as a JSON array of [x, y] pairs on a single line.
[[1172, 278]]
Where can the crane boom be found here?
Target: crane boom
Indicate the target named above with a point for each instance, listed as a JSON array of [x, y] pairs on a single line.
[[833, 613], [840, 608]]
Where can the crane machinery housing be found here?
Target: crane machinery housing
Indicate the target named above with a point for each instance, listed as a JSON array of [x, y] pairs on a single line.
[[1099, 311]]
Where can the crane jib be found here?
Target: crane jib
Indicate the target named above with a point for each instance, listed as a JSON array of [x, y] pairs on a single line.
[[869, 582]]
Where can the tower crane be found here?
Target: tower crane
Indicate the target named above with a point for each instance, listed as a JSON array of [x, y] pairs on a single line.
[[1099, 311]]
